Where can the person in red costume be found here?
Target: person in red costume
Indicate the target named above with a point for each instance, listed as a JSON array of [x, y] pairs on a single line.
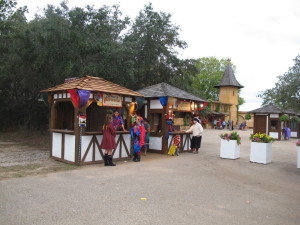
[[108, 141], [138, 134]]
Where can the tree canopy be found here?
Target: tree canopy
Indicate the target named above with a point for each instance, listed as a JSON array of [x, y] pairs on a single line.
[[63, 42], [209, 73], [286, 92]]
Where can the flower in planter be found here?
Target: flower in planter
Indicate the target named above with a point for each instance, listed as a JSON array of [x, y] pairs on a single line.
[[261, 138], [231, 136], [298, 143]]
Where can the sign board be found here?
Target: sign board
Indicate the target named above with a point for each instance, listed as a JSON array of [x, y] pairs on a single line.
[[184, 106], [112, 100], [71, 79]]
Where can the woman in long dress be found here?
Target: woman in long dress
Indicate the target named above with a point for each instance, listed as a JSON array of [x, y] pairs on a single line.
[[108, 141]]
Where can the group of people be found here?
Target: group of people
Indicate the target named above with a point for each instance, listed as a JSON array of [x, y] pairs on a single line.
[[140, 132], [222, 124], [243, 126]]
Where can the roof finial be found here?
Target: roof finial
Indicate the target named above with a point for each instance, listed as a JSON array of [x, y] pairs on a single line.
[[229, 60]]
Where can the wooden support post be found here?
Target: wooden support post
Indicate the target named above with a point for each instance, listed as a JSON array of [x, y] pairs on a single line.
[[164, 130], [77, 137], [52, 119]]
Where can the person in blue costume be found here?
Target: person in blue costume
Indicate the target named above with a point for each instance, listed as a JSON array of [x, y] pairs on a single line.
[[138, 134], [118, 121]]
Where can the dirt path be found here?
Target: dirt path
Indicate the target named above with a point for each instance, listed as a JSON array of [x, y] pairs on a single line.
[[23, 154], [194, 189]]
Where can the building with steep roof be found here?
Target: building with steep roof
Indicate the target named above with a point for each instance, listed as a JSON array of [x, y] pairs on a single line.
[[267, 120], [164, 89], [228, 92], [78, 111], [168, 107]]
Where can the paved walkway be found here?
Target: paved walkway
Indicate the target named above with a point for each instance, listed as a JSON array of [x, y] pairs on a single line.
[[189, 189]]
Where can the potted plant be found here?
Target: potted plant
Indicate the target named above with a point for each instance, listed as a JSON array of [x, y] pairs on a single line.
[[230, 145], [298, 150], [261, 148]]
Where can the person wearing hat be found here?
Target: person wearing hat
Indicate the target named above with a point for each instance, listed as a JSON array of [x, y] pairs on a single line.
[[197, 130]]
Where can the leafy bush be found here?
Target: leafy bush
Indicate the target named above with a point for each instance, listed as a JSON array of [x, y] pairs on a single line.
[[284, 118], [248, 117], [231, 136]]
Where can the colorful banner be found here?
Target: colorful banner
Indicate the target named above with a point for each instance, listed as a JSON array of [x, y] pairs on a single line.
[[74, 97], [84, 96], [163, 100], [184, 106], [112, 100]]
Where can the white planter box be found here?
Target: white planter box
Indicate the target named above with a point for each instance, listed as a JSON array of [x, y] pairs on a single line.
[[229, 149], [261, 152], [298, 158]]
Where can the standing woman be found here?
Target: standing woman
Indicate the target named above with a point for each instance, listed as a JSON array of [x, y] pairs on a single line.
[[108, 141], [197, 130]]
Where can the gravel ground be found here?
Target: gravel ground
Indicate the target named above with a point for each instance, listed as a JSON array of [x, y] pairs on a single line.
[[189, 189], [26, 154], [12, 154]]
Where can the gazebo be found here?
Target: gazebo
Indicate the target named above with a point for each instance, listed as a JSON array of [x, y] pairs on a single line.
[[266, 120], [78, 109], [162, 103]]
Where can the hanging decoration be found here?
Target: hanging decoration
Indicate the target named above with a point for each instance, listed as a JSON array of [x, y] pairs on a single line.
[[80, 98], [163, 100], [203, 105], [74, 97], [169, 116], [131, 108], [84, 96]]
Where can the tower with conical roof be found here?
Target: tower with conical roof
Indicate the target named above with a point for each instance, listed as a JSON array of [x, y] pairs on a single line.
[[228, 91]]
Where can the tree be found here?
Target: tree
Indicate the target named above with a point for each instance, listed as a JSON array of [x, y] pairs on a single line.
[[183, 77], [286, 92], [62, 42], [248, 117], [59, 43], [209, 73], [153, 40], [241, 101], [7, 9]]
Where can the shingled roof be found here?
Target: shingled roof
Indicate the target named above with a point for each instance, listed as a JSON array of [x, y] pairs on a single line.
[[93, 84], [164, 89], [270, 109], [229, 79]]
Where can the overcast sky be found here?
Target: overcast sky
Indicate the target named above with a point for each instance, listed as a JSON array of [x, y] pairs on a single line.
[[261, 37]]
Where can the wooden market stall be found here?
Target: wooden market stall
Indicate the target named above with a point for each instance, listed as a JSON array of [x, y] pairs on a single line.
[[78, 110], [162, 103], [267, 120]]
